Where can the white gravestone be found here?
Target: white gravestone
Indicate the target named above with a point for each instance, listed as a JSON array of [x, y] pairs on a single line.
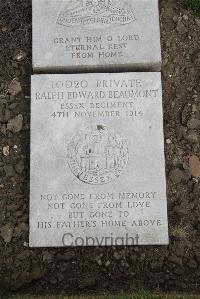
[[97, 160], [74, 35]]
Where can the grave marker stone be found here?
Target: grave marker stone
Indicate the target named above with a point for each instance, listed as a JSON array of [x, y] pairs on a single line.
[[97, 160], [74, 35]]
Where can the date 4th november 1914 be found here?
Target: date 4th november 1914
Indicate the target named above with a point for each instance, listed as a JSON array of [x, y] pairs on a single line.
[[105, 113]]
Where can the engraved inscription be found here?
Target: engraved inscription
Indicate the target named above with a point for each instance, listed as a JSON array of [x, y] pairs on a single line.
[[97, 155], [86, 12]]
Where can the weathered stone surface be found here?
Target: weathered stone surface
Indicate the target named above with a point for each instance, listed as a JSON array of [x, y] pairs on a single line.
[[93, 35], [97, 160], [9, 170], [15, 87], [194, 166], [15, 124], [6, 232], [19, 167]]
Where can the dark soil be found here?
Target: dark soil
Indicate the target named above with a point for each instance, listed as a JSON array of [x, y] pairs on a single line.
[[176, 267]]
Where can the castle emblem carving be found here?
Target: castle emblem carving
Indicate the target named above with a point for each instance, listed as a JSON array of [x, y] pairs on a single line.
[[104, 12], [97, 155]]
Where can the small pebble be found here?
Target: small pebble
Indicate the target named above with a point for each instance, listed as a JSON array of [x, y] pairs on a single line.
[[20, 56], [168, 141], [197, 21], [6, 150], [15, 87]]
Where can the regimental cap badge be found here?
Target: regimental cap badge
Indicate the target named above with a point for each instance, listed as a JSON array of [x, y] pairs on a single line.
[[86, 12], [97, 155]]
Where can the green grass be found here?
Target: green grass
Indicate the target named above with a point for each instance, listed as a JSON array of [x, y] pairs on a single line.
[[194, 5], [141, 295], [180, 231]]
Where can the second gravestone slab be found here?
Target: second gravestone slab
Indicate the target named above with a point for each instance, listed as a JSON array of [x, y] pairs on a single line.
[[97, 160], [96, 35]]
